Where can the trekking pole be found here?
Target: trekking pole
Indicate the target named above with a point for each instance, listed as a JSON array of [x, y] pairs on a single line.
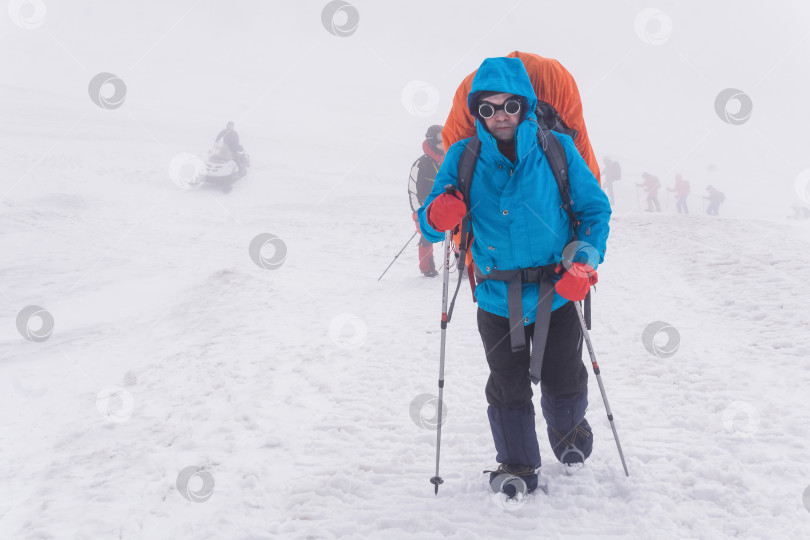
[[601, 386], [448, 242], [397, 255]]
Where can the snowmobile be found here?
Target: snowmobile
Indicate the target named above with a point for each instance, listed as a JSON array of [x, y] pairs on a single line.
[[221, 169]]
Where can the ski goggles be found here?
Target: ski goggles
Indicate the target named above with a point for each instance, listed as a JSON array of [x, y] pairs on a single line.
[[511, 107]]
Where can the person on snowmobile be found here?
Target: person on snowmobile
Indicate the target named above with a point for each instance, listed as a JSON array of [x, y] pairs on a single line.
[[230, 138], [523, 290], [423, 173]]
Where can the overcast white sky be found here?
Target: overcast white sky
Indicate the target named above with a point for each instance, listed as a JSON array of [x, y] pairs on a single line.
[[649, 79]]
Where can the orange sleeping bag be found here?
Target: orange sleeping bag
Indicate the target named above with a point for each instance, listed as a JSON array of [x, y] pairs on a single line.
[[551, 82]]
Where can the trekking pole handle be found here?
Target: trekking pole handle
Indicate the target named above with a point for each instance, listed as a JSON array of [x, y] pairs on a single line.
[[450, 189]]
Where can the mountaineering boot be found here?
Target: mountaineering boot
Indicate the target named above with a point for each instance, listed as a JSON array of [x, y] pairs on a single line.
[[512, 480]]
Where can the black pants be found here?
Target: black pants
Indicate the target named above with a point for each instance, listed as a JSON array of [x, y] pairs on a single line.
[[563, 376]]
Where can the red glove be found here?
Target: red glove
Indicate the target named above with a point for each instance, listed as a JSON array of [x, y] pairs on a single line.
[[446, 211], [576, 281]]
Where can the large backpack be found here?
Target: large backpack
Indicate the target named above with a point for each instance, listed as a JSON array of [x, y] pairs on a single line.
[[548, 120], [552, 84], [413, 181]]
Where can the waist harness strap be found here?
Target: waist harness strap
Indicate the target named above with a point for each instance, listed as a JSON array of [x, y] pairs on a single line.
[[542, 275]]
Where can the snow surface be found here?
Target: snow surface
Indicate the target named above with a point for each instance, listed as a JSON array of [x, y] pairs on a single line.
[[283, 397]]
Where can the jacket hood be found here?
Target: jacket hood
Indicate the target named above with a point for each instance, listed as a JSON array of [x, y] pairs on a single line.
[[502, 74], [432, 152]]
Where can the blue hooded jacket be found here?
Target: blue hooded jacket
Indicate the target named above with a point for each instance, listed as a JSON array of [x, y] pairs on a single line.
[[517, 212]]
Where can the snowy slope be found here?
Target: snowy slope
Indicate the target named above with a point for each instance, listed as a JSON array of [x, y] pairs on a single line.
[[308, 435], [282, 399]]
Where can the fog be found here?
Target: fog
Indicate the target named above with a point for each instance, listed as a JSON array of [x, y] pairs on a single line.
[[165, 346], [648, 80]]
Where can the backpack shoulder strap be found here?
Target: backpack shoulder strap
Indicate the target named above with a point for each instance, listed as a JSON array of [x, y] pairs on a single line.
[[466, 169], [559, 166]]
